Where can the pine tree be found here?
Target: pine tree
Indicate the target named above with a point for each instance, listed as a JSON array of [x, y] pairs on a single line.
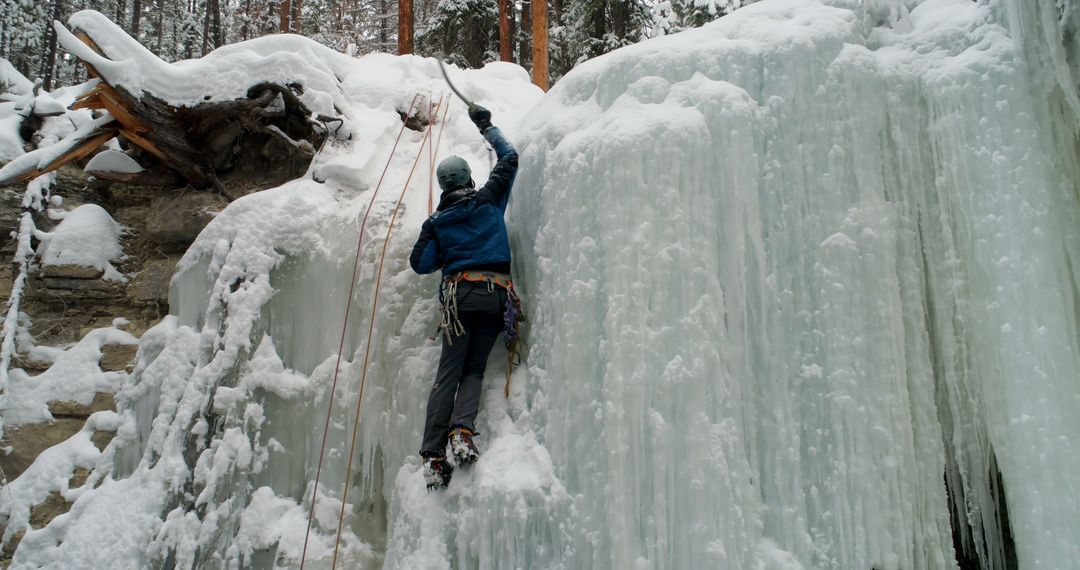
[[584, 29], [670, 16], [466, 31], [24, 34]]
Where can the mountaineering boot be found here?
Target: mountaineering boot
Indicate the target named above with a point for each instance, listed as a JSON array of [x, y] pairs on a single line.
[[462, 446], [437, 471]]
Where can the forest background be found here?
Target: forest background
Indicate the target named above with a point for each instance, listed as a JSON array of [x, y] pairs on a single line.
[[466, 32]]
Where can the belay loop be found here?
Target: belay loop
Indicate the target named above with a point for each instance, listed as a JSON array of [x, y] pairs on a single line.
[[513, 313]]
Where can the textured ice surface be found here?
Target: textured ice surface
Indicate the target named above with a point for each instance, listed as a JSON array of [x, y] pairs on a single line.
[[807, 289], [788, 277]]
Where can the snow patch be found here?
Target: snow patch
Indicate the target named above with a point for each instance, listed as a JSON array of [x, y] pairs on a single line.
[[87, 236], [113, 161]]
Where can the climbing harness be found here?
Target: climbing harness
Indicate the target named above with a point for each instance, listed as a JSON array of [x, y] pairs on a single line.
[[449, 323], [344, 328], [513, 313]]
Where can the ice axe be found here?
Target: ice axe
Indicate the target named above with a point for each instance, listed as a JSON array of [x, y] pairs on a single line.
[[464, 99], [442, 67]]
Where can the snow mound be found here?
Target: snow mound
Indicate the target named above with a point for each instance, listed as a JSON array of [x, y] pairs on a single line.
[[11, 143], [87, 236], [12, 82], [74, 375], [113, 161]]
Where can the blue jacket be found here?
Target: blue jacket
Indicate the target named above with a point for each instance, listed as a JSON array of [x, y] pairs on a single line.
[[467, 231]]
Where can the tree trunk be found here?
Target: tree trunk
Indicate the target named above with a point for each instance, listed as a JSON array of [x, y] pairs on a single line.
[[215, 24], [160, 25], [206, 27], [121, 11], [513, 31], [297, 19], [245, 28], [5, 36], [405, 27], [618, 18], [384, 24], [48, 66], [285, 9], [136, 16], [524, 53], [540, 44], [505, 47], [599, 25], [472, 48]]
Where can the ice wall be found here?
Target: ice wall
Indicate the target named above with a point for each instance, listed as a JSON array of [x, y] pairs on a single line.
[[800, 284], [821, 266]]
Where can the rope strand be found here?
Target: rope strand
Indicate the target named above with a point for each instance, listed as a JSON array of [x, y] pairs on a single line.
[[344, 328], [367, 347]]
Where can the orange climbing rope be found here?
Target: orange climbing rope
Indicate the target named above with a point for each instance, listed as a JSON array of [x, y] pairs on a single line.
[[433, 114], [344, 328], [371, 330], [438, 143]]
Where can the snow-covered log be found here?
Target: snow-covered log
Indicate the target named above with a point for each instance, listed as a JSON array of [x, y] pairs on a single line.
[[195, 139]]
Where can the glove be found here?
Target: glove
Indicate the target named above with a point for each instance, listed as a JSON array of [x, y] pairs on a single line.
[[481, 117]]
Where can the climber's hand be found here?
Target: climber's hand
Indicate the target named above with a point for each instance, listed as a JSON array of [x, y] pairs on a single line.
[[481, 117]]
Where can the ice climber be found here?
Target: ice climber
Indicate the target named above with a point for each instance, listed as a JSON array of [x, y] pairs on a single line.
[[466, 238]]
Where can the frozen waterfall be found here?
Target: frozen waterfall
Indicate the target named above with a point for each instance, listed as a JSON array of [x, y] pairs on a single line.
[[802, 292], [822, 269]]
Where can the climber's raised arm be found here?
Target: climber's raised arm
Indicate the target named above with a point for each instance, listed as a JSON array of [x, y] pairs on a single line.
[[498, 185]]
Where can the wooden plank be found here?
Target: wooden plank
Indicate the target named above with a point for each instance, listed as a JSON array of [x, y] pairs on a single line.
[[88, 145], [144, 144], [104, 97], [161, 177], [88, 101], [120, 113]]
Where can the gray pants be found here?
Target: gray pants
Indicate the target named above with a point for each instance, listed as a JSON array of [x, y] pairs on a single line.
[[455, 396]]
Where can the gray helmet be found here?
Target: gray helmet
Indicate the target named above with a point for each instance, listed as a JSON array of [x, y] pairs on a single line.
[[453, 173]]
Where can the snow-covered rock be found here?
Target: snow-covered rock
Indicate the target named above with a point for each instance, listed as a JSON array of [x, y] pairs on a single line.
[[86, 236]]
